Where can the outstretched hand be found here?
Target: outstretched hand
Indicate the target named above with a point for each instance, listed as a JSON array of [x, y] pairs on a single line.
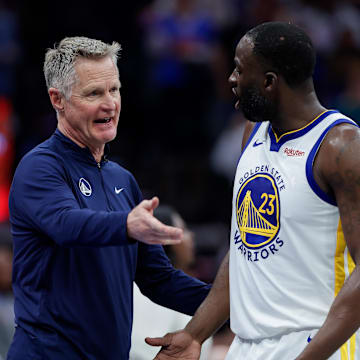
[[144, 227], [177, 345]]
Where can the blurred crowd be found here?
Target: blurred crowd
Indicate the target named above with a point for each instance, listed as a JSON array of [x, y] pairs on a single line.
[[178, 131]]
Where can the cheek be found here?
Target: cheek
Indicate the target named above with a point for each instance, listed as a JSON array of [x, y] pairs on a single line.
[[81, 112], [91, 109], [89, 113]]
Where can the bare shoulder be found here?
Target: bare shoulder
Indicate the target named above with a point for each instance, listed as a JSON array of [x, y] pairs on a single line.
[[338, 162], [342, 136], [247, 132], [339, 154]]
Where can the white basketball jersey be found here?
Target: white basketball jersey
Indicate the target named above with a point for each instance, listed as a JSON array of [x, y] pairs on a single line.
[[288, 257]]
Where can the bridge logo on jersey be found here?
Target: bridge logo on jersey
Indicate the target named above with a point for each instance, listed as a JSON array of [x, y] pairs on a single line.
[[258, 211], [85, 187]]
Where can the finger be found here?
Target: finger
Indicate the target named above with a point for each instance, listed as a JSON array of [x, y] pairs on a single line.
[[159, 341], [170, 242], [155, 202], [151, 204], [166, 232], [147, 204]]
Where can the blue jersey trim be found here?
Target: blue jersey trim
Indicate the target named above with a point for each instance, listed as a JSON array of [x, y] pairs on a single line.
[[310, 162], [254, 131], [276, 143]]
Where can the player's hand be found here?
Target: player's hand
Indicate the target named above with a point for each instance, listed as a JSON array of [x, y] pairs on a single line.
[[144, 227], [177, 345]]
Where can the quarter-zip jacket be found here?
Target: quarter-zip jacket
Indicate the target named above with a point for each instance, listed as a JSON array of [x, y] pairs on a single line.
[[74, 264]]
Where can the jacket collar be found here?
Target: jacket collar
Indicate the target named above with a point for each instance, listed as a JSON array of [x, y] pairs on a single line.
[[83, 154]]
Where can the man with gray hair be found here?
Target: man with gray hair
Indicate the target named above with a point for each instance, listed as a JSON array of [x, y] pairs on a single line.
[[82, 233]]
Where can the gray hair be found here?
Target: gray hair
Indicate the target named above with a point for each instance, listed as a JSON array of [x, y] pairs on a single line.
[[59, 65]]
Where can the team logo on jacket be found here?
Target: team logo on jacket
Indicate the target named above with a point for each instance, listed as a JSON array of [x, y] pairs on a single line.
[[85, 187], [258, 217]]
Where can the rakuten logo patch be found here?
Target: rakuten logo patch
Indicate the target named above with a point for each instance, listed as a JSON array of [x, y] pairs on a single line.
[[293, 152]]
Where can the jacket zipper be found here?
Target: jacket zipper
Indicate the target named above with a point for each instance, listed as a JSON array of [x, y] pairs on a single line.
[[103, 186]]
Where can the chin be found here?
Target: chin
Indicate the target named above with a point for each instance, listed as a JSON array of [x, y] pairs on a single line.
[[107, 136]]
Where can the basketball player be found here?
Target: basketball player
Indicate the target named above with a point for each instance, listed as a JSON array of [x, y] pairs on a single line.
[[290, 283]]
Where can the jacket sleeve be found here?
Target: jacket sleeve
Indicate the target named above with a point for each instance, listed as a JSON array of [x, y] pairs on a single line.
[[41, 199], [162, 283]]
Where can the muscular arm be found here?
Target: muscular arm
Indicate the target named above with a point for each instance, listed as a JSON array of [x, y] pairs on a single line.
[[337, 170], [215, 309]]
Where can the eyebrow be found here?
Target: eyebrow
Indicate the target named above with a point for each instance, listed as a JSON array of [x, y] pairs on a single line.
[[98, 86]]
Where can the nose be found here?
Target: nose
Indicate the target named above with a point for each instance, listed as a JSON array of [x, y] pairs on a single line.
[[232, 79], [110, 103]]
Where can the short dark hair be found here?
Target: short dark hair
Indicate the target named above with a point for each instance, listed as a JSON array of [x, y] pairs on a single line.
[[286, 48]]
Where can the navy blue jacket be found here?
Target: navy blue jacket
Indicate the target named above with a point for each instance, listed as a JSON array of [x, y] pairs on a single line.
[[74, 264]]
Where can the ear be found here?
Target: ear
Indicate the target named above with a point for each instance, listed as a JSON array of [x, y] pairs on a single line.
[[271, 81], [57, 99]]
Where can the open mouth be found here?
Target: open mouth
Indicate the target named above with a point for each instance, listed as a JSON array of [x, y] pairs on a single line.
[[237, 104], [103, 121]]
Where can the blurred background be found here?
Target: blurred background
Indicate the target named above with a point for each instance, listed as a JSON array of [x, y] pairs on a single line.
[[178, 132]]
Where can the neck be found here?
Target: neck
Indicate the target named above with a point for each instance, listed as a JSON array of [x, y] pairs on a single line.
[[96, 151], [297, 107]]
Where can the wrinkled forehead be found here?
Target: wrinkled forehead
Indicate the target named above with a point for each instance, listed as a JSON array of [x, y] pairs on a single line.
[[95, 69], [95, 63]]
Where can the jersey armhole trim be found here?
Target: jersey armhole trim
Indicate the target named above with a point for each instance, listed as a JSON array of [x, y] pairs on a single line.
[[310, 163], [254, 131]]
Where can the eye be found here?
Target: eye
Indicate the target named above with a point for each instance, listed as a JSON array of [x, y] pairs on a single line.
[[115, 89], [94, 93]]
